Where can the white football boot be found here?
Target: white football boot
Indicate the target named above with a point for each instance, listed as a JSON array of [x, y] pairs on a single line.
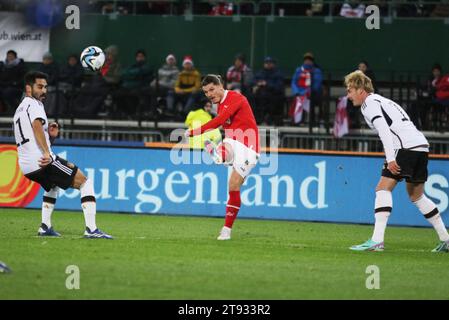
[[225, 234]]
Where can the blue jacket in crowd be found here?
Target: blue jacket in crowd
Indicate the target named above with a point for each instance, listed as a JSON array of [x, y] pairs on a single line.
[[273, 77], [317, 80]]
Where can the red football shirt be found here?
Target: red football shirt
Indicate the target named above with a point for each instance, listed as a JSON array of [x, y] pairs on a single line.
[[237, 118]]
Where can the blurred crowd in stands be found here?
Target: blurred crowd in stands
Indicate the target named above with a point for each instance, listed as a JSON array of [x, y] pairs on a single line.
[[350, 9], [172, 91]]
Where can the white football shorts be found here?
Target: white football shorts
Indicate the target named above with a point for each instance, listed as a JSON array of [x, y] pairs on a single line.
[[244, 160]]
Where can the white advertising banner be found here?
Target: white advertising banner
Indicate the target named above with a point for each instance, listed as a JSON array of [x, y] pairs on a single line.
[[30, 42]]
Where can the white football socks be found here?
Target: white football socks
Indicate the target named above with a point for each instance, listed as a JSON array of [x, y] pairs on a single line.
[[48, 205], [88, 204], [430, 212], [383, 206]]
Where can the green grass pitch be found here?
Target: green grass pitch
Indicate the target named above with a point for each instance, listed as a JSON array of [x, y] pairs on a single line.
[[168, 257]]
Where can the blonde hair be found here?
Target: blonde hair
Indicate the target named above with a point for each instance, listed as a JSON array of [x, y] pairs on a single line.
[[358, 80]]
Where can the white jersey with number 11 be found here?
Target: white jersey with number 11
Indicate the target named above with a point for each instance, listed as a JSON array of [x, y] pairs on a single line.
[[28, 150]]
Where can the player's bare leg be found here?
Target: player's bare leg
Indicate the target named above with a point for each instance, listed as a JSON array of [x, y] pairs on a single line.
[[223, 154], [430, 212], [233, 206], [89, 205], [383, 206]]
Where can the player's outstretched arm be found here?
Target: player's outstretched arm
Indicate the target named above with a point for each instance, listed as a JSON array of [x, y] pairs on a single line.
[[215, 122], [38, 130], [212, 124]]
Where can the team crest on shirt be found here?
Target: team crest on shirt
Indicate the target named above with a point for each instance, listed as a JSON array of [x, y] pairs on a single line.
[[228, 121]]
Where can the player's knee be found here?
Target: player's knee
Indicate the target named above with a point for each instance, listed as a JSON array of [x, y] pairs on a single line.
[[415, 197], [383, 187], [234, 187], [79, 179], [234, 184], [70, 165]]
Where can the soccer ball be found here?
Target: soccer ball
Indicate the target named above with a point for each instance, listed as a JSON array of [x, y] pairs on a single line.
[[92, 58]]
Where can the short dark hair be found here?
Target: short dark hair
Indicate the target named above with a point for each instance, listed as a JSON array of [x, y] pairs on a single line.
[[241, 57], [31, 76], [141, 51], [204, 100], [212, 78], [437, 66], [13, 52]]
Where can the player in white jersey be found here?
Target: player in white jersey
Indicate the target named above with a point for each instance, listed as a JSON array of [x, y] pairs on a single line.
[[406, 152], [38, 163]]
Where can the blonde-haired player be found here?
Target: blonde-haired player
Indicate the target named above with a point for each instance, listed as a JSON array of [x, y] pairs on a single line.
[[406, 152]]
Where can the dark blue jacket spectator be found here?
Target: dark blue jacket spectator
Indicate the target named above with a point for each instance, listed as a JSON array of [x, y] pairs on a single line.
[[50, 67], [270, 77], [269, 94], [11, 81], [138, 75], [12, 71], [72, 73]]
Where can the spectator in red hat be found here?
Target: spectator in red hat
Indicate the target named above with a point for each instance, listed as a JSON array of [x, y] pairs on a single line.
[[164, 84], [187, 87], [222, 9], [167, 75]]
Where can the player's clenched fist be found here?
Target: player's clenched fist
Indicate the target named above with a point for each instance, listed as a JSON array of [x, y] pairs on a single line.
[[53, 129], [45, 160], [394, 167]]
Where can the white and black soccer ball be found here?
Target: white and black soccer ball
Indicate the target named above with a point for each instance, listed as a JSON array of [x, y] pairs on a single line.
[[92, 58]]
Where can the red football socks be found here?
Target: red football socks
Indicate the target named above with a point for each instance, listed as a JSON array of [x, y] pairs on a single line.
[[232, 208]]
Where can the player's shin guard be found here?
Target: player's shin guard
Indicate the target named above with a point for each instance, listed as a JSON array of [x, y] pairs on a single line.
[[430, 212], [232, 208], [88, 203], [48, 205], [382, 209]]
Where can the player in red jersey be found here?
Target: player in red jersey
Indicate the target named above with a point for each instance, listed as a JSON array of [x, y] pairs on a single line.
[[239, 149]]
